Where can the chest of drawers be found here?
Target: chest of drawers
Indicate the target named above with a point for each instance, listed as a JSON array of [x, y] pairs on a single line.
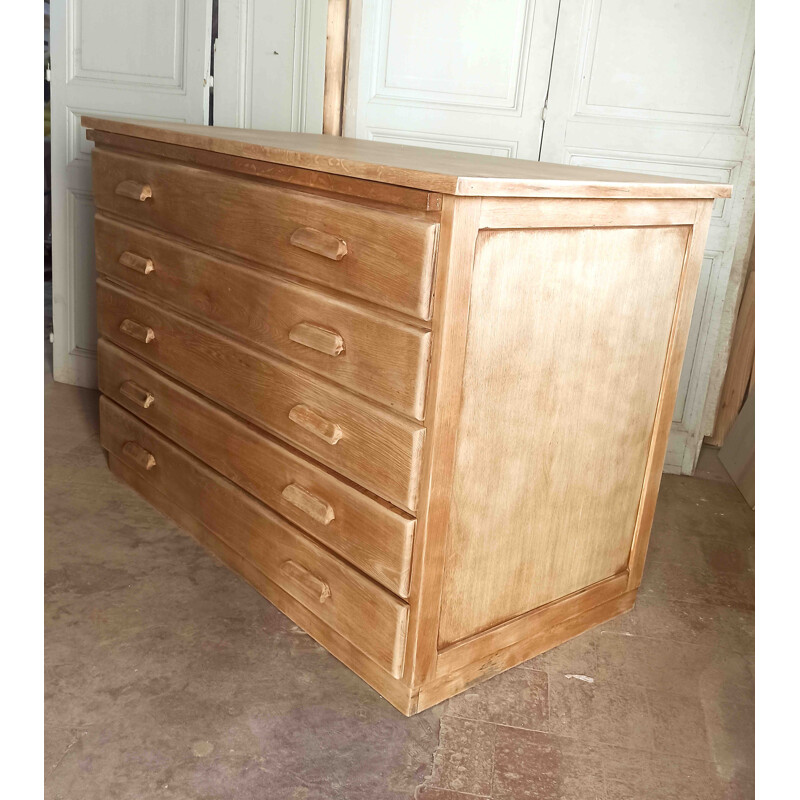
[[420, 400]]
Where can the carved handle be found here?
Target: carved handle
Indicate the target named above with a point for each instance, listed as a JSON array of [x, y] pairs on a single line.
[[136, 263], [139, 455], [137, 331], [136, 393], [319, 242], [306, 579], [325, 341], [311, 421], [316, 508], [134, 190]]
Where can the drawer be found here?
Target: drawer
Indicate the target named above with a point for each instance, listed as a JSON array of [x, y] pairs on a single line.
[[366, 531], [370, 445], [368, 352], [368, 616], [382, 256]]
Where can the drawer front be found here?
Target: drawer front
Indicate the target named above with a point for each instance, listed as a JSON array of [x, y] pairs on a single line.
[[366, 531], [367, 615], [367, 444], [381, 358], [383, 256]]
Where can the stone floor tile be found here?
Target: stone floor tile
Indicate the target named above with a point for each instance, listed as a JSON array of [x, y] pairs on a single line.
[[541, 766], [688, 669], [679, 725], [577, 656], [600, 713], [464, 761], [517, 697]]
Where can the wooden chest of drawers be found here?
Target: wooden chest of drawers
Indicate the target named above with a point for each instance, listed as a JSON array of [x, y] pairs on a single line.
[[420, 400]]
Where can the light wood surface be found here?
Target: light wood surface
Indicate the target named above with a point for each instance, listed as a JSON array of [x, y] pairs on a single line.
[[370, 617], [370, 533], [378, 449], [415, 167], [568, 382], [380, 358], [335, 67], [389, 257], [325, 182], [458, 405]]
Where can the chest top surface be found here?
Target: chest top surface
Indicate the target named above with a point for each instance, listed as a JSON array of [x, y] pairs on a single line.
[[432, 170]]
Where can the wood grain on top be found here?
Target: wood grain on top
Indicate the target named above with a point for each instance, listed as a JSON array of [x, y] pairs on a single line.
[[416, 167]]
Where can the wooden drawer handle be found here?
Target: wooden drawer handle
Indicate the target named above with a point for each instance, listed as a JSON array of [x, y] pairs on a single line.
[[306, 418], [137, 331], [325, 341], [319, 242], [136, 263], [134, 190], [306, 579], [139, 455], [316, 508], [135, 392]]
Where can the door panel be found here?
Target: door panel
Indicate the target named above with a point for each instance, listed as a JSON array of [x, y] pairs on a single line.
[[456, 74], [109, 57], [664, 88]]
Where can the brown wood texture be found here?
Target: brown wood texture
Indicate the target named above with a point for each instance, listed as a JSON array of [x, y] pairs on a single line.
[[416, 167], [367, 531], [369, 616], [389, 258], [323, 182], [393, 690], [382, 358], [378, 449], [557, 411], [741, 363]]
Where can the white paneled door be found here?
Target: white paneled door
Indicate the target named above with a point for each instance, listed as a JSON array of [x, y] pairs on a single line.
[[638, 85], [455, 74], [146, 59], [666, 88]]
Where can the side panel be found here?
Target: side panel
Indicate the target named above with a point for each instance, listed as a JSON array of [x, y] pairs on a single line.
[[566, 350]]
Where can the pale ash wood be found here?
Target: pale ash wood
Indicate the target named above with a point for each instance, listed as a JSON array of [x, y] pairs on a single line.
[[136, 393], [325, 341], [415, 167], [134, 191], [141, 333], [557, 410], [316, 508], [389, 258], [136, 262], [335, 67], [378, 449], [383, 359], [368, 532], [369, 616], [324, 244], [353, 188], [309, 420], [393, 690], [138, 455], [460, 219]]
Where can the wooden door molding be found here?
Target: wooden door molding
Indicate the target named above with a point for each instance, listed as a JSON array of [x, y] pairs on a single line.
[[335, 67]]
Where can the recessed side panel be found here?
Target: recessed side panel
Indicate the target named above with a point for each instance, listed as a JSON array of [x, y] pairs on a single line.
[[566, 348]]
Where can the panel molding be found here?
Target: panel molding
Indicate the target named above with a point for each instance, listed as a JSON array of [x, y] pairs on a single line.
[[174, 83], [511, 104], [735, 119], [494, 147]]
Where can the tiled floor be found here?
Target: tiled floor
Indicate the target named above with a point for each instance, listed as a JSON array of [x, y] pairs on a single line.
[[167, 676]]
